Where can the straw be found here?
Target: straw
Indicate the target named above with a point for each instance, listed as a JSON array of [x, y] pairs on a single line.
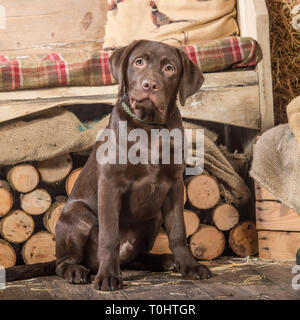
[[285, 53]]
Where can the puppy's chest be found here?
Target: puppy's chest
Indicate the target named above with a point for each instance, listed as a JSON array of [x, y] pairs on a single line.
[[146, 196]]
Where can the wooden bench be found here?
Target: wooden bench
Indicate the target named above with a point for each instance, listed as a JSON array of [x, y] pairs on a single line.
[[240, 98]]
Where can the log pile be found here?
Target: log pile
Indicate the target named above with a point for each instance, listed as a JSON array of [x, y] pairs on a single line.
[[212, 226], [32, 196]]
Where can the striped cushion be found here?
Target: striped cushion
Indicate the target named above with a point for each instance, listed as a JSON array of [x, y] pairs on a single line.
[[92, 68]]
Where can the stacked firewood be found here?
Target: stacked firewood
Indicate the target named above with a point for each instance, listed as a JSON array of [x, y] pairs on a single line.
[[212, 226], [32, 196]]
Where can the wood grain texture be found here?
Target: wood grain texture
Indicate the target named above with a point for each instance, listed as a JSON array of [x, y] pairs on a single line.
[[6, 198], [37, 26], [17, 226], [35, 202], [278, 245], [161, 244], [240, 281], [19, 108], [212, 80], [23, 177], [227, 97], [56, 169], [203, 191], [191, 221], [243, 239], [207, 243], [273, 215], [71, 179], [235, 105], [261, 193], [225, 216], [253, 20], [8, 256], [52, 215], [39, 248]]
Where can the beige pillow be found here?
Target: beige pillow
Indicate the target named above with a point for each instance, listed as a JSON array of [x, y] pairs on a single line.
[[182, 22]]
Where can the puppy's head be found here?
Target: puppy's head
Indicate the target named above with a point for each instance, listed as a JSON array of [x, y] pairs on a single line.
[[150, 74]]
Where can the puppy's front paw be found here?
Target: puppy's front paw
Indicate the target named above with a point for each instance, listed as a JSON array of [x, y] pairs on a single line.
[[77, 274], [108, 283], [196, 272]]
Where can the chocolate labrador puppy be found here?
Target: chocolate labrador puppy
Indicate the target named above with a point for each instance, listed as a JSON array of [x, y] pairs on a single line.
[[115, 211]]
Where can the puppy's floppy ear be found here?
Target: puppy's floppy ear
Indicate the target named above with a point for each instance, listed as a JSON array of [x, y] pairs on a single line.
[[191, 78], [118, 64]]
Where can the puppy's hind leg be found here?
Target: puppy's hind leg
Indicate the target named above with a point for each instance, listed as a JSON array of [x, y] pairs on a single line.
[[145, 234], [71, 234]]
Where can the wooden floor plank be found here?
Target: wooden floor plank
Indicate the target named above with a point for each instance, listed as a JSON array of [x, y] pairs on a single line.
[[232, 280]]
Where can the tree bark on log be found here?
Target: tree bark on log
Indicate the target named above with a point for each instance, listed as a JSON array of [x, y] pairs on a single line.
[[52, 215], [207, 243], [55, 170], [17, 226], [35, 202], [72, 177], [8, 256], [6, 198], [243, 239], [203, 191], [23, 177], [39, 248]]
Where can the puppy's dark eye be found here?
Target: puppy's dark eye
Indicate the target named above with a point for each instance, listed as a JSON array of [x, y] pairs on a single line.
[[139, 62], [169, 68]]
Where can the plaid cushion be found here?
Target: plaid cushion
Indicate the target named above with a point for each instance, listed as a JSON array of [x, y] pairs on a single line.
[[92, 68]]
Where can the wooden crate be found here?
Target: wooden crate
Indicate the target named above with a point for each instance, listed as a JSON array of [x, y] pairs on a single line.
[[278, 227]]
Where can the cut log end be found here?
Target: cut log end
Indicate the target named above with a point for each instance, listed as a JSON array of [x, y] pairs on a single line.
[[55, 170], [72, 177], [203, 191], [225, 216], [191, 222], [161, 244], [8, 256], [17, 226], [207, 243], [39, 248], [6, 198], [52, 215], [243, 239], [184, 195], [36, 202], [23, 177]]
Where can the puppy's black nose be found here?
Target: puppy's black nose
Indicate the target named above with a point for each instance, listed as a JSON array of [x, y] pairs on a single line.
[[149, 85]]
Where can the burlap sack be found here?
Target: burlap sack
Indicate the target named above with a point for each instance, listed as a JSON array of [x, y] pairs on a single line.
[[49, 134], [58, 131], [276, 165], [293, 113], [173, 22]]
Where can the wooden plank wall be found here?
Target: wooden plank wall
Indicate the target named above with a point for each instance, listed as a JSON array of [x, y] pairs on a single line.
[[278, 227], [35, 26]]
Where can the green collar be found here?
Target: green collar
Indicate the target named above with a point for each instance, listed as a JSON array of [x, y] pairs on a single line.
[[134, 116]]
